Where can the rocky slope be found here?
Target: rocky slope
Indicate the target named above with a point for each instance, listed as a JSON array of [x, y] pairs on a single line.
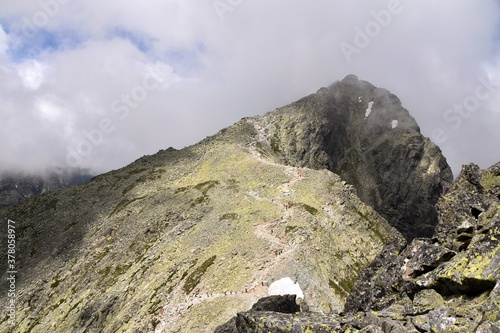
[[448, 283], [16, 187], [182, 240], [363, 134]]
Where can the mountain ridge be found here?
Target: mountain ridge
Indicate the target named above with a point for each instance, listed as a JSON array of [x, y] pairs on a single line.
[[162, 243]]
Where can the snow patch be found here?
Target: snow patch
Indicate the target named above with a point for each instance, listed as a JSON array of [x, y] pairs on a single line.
[[394, 123], [369, 110], [360, 99], [285, 286]]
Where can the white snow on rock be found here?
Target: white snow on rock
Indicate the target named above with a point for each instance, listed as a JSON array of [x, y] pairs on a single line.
[[360, 99], [394, 123], [285, 286], [369, 110]]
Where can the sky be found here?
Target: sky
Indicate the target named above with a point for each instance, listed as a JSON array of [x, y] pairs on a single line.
[[97, 84]]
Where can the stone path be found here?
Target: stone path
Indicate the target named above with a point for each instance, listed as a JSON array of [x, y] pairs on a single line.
[[177, 306]]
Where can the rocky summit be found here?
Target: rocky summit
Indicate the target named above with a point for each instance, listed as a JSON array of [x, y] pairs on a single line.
[[364, 135], [324, 194]]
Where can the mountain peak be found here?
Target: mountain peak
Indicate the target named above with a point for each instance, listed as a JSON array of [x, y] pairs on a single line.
[[350, 79], [363, 134]]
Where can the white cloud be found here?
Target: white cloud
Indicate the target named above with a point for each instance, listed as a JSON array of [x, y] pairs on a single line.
[[262, 55], [32, 73], [4, 45], [48, 111]]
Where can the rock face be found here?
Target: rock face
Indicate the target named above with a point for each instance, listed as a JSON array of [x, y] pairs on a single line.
[[16, 187], [363, 134], [450, 283], [182, 240]]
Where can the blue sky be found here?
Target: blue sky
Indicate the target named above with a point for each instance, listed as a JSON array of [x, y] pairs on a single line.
[[142, 42], [215, 68], [43, 41]]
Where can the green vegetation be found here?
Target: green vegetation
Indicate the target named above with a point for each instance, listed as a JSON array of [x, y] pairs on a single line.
[[203, 188], [56, 305], [275, 140], [229, 216], [124, 203], [33, 324], [374, 227], [56, 282], [136, 171], [129, 174], [194, 278], [104, 274], [337, 288], [343, 287], [128, 188], [182, 189], [309, 209], [489, 180]]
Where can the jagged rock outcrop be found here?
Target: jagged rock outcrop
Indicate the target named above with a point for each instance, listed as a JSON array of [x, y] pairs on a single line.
[[16, 187], [363, 134], [444, 284], [464, 240]]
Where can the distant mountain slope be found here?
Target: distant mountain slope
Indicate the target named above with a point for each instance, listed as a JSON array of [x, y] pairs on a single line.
[[16, 187], [181, 240]]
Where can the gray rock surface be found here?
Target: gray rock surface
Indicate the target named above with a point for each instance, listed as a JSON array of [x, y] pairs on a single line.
[[363, 134], [431, 285]]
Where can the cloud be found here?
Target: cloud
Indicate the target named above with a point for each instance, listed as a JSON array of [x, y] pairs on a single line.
[[3, 41], [32, 73], [168, 73]]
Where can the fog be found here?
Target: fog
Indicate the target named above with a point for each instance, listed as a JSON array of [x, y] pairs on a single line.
[[97, 85]]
